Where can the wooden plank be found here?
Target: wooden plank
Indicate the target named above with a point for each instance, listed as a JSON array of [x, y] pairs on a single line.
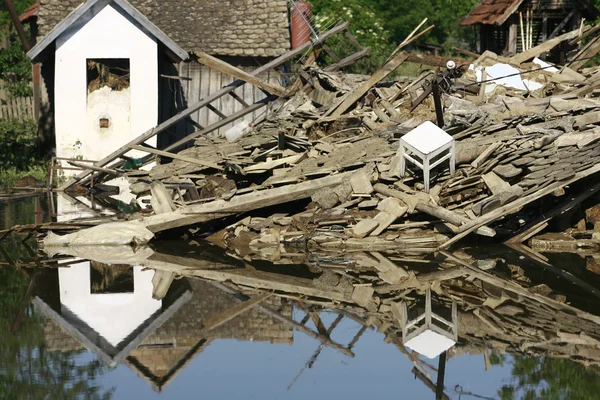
[[348, 60], [517, 289], [229, 69], [589, 50], [219, 208], [515, 205], [268, 165], [436, 211], [352, 97], [250, 278], [548, 45], [176, 156], [539, 223], [562, 24], [193, 108], [223, 122]]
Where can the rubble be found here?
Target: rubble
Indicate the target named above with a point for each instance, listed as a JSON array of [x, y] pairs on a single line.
[[524, 130]]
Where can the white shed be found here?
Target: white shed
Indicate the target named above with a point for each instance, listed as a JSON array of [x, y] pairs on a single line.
[[106, 77]]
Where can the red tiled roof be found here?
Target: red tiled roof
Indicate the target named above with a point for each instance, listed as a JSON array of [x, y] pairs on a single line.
[[30, 12], [491, 12]]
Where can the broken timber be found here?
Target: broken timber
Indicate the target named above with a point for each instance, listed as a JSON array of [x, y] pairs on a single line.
[[194, 214]]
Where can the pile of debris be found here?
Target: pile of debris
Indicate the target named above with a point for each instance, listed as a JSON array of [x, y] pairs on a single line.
[[523, 129]]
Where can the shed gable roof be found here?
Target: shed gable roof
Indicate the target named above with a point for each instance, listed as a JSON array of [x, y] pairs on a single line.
[[221, 27], [37, 52]]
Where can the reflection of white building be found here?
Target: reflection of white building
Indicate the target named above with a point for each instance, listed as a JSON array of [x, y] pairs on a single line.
[[109, 323], [113, 316]]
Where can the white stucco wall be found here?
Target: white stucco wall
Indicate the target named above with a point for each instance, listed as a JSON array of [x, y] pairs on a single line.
[[115, 315], [104, 33]]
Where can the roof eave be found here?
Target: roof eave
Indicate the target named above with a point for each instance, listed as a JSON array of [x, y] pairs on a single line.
[[39, 51]]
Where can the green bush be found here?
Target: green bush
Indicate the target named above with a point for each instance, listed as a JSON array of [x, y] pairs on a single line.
[[20, 156]]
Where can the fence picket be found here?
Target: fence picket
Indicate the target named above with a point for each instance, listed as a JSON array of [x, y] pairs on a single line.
[[17, 108]]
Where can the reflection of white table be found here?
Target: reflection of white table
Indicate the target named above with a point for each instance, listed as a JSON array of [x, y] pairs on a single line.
[[427, 141], [428, 338]]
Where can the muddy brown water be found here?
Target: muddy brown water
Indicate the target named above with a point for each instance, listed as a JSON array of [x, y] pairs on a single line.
[[94, 331]]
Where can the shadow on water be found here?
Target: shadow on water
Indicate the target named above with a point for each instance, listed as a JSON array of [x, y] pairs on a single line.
[[493, 322]]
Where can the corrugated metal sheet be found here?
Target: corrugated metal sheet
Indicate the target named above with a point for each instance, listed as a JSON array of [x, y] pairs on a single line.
[[491, 12]]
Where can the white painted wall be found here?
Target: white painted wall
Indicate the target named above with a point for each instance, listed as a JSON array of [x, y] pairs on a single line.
[[103, 33], [114, 316]]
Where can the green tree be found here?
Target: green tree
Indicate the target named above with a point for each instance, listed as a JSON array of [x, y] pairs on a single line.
[[366, 24], [15, 67], [537, 378]]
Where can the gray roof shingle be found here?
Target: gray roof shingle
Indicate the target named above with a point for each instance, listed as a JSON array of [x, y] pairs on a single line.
[[257, 28]]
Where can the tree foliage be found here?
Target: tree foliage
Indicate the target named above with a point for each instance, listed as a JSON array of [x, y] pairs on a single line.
[[15, 67], [15, 70], [537, 378]]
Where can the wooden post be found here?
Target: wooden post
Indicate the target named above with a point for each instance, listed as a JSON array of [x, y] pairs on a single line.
[[439, 392], [544, 26], [512, 38], [17, 22]]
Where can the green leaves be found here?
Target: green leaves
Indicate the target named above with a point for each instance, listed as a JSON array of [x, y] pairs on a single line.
[[19, 145], [15, 70]]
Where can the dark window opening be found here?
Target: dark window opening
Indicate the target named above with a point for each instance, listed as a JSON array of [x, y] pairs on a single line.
[[106, 278], [111, 72]]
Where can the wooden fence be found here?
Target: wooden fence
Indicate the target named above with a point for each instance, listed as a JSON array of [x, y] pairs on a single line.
[[18, 108]]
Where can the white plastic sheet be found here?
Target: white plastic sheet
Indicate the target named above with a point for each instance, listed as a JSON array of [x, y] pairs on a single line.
[[507, 76], [110, 234]]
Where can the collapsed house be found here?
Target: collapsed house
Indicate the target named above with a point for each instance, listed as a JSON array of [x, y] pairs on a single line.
[[513, 26]]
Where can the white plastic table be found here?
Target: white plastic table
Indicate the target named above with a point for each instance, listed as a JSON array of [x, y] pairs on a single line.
[[427, 141]]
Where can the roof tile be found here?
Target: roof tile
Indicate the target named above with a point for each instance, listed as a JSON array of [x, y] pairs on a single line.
[[220, 27]]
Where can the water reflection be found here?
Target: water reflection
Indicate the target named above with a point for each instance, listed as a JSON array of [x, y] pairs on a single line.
[[157, 315], [183, 318]]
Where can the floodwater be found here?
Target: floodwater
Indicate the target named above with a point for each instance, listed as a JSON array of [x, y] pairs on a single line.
[[77, 328]]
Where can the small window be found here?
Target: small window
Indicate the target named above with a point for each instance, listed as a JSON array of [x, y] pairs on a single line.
[[114, 278], [111, 72]]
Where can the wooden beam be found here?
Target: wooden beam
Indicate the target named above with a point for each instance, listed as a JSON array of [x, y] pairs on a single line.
[[516, 205], [562, 24], [518, 289], [352, 97], [203, 102], [435, 211], [194, 214], [548, 45], [226, 68], [223, 122], [531, 228], [215, 321], [348, 60], [175, 156], [18, 26], [590, 50], [249, 278]]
